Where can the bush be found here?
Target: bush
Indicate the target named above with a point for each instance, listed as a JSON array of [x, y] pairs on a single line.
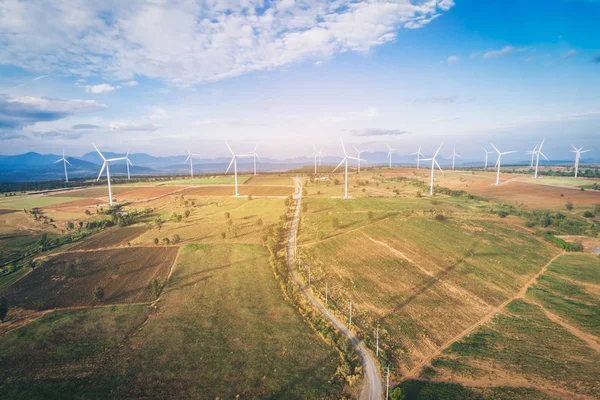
[[286, 201], [502, 214], [419, 194], [187, 213], [530, 224], [69, 271], [259, 222], [370, 215], [157, 287], [397, 394], [335, 222], [227, 215], [156, 240], [588, 214], [440, 217], [166, 241], [99, 293], [223, 235], [336, 181], [569, 205], [597, 209], [175, 239]]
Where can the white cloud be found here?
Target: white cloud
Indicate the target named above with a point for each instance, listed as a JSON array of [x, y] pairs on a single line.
[[453, 59], [144, 126], [193, 41], [98, 89], [505, 51], [130, 83], [568, 54]]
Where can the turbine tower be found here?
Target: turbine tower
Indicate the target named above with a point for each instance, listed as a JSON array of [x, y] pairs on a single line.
[[532, 152], [65, 162], [358, 156], [190, 157], [578, 153], [234, 162], [499, 162], [106, 165], [390, 151], [434, 163], [316, 154], [537, 159], [487, 153], [419, 155], [321, 156], [128, 163], [453, 157], [255, 156], [345, 160]]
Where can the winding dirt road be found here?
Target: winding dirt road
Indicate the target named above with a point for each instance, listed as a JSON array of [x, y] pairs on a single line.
[[373, 388]]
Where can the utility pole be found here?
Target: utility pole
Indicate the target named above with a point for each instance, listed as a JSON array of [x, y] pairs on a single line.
[[377, 341], [387, 385], [350, 314]]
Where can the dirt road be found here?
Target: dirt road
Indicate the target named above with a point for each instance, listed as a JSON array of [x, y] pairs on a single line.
[[372, 389]]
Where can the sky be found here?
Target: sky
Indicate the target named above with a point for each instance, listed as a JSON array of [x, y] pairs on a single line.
[[162, 76]]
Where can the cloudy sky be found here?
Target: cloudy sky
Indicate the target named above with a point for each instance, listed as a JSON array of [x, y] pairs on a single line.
[[160, 76]]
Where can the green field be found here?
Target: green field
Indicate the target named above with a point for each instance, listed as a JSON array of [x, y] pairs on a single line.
[[207, 180], [521, 343], [29, 202]]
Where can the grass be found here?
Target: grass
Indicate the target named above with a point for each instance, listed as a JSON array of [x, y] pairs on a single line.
[[7, 281], [426, 390], [422, 279], [523, 342], [207, 180], [67, 354], [29, 202], [224, 329]]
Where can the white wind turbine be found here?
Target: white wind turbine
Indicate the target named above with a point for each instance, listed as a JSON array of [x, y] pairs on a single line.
[[345, 160], [358, 157], [255, 156], [190, 158], [321, 156], [234, 162], [316, 155], [487, 153], [65, 162], [128, 163], [390, 151], [105, 164], [532, 153], [419, 155], [434, 163], [499, 162], [537, 159], [453, 157], [578, 153]]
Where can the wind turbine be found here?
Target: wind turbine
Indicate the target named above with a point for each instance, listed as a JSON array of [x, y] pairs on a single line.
[[105, 164], [321, 156], [487, 153], [345, 160], [578, 153], [434, 163], [190, 157], [453, 157], [128, 163], [418, 154], [359, 160], [390, 151], [255, 156], [316, 154], [499, 162], [532, 152], [234, 162], [65, 162], [537, 160]]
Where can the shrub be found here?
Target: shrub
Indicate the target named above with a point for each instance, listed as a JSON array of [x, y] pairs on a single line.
[[156, 240], [223, 235], [397, 394], [3, 308], [597, 209], [166, 241], [286, 201], [156, 286], [99, 293], [227, 215], [569, 205], [259, 222], [440, 217], [370, 215], [588, 214], [530, 224], [250, 197], [69, 271], [175, 239], [419, 194], [502, 214], [187, 213], [335, 222], [70, 225]]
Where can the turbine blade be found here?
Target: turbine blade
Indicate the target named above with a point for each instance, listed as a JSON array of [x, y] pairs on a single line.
[[257, 156], [230, 164], [438, 150], [585, 151], [188, 158], [59, 160], [541, 144], [98, 152], [67, 161], [344, 148], [543, 155], [495, 148], [227, 144], [101, 171], [438, 165], [340, 164]]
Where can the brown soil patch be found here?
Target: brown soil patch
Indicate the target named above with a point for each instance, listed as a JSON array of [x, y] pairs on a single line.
[[110, 238], [125, 274], [5, 211], [147, 193], [75, 206]]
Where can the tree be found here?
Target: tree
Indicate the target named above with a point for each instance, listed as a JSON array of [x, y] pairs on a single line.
[[588, 214], [157, 287], [286, 201], [155, 240], [569, 205], [223, 235], [250, 197], [259, 222], [99, 293], [187, 213], [166, 241], [175, 239], [227, 215], [3, 308], [70, 225], [158, 222], [80, 224], [397, 394]]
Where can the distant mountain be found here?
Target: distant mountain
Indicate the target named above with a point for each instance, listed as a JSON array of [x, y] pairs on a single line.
[[33, 160]]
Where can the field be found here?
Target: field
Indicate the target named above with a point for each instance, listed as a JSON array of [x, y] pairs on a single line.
[[111, 237], [125, 275], [255, 190], [206, 180], [29, 202]]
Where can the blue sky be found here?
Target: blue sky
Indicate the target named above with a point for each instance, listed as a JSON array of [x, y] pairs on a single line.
[[162, 76]]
